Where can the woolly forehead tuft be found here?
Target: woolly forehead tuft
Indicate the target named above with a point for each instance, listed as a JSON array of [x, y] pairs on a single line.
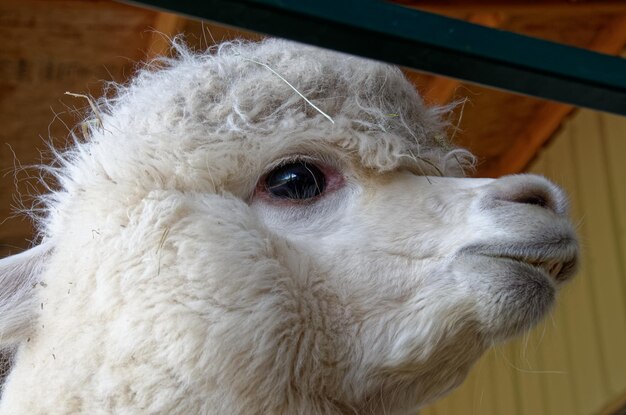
[[257, 88]]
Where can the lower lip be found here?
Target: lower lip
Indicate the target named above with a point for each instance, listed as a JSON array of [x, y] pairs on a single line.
[[555, 274]]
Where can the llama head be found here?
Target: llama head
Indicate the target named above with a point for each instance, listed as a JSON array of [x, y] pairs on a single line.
[[265, 228]]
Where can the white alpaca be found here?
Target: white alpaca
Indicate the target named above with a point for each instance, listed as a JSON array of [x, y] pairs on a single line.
[[222, 244]]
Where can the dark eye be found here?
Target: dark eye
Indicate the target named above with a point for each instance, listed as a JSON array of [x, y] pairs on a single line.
[[298, 180]]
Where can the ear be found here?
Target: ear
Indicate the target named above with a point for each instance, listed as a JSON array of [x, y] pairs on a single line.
[[19, 274]]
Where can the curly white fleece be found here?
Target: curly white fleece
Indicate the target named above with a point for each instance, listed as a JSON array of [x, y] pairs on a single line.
[[170, 282]]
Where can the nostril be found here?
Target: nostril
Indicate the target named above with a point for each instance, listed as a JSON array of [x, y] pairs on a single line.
[[533, 195], [528, 190], [536, 199]]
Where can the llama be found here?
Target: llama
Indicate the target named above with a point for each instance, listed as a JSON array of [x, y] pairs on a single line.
[[272, 228]]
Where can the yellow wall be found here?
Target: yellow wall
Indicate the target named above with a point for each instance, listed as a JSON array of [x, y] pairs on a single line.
[[575, 361]]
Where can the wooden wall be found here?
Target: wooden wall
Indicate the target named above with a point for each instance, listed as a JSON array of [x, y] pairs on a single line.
[[575, 361], [49, 47]]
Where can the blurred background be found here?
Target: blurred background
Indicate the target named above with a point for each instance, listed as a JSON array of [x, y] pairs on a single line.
[[572, 363]]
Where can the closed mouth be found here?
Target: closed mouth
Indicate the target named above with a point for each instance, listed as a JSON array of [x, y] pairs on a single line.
[[557, 259], [557, 270]]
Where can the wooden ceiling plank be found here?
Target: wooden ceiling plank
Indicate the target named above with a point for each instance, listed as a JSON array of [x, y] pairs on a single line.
[[612, 38], [547, 119], [544, 124]]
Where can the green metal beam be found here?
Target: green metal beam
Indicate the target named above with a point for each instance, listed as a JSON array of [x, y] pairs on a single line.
[[430, 43]]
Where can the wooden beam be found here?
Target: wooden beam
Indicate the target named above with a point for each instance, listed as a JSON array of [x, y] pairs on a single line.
[[547, 119], [428, 42], [516, 6], [440, 90]]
